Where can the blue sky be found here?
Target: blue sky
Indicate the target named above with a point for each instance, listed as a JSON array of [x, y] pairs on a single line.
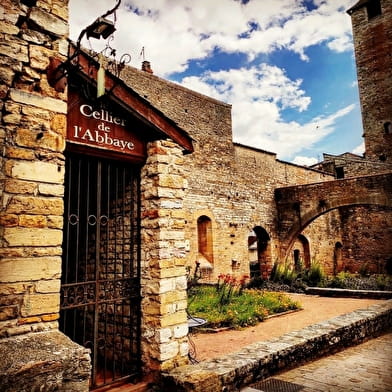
[[286, 66]]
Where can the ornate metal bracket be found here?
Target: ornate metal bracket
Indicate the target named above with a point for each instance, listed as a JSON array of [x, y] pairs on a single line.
[[58, 70]]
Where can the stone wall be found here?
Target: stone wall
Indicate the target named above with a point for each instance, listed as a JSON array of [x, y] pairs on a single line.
[[164, 284], [239, 198], [33, 132], [298, 205], [43, 361], [367, 238]]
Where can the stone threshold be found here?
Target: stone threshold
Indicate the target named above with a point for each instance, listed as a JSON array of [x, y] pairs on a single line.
[[263, 359]]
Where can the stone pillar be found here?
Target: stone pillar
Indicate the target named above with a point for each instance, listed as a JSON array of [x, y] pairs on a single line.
[[164, 283], [32, 139]]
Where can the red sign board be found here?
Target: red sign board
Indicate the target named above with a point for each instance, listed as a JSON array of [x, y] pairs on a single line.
[[102, 128]]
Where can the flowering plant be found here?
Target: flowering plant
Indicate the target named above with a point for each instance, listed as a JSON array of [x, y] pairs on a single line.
[[229, 286]]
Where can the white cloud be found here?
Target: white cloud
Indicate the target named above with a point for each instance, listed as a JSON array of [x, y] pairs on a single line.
[[176, 31], [258, 95], [305, 161], [359, 150]]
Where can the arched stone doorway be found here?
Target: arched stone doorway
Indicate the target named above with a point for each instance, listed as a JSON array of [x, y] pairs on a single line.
[[301, 253], [260, 252]]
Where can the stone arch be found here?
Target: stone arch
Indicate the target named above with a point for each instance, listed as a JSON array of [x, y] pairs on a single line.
[[260, 240], [309, 216], [299, 205]]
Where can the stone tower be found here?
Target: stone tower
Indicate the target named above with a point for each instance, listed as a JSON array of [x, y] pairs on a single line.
[[372, 32]]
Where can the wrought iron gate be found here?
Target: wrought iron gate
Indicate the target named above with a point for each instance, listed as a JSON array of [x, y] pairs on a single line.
[[100, 291]]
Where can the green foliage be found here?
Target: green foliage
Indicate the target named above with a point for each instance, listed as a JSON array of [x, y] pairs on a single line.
[[244, 308], [346, 280], [364, 270], [315, 276], [283, 273], [341, 280], [383, 282]]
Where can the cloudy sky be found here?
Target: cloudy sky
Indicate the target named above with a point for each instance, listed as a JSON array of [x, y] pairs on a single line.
[[286, 66]]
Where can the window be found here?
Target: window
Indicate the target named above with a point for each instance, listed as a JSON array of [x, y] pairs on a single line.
[[339, 172], [29, 3], [297, 259], [382, 157], [388, 127], [204, 233], [373, 9]]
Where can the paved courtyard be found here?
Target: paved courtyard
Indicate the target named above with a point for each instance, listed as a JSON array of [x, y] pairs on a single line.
[[363, 368]]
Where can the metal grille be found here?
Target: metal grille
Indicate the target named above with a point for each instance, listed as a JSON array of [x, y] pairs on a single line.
[[276, 385], [100, 292]]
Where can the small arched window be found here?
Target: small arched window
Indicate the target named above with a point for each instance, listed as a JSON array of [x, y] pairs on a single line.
[[297, 259], [204, 234]]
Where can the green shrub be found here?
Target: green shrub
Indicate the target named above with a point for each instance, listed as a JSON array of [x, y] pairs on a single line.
[[315, 276], [364, 270], [276, 272], [383, 282], [283, 273], [341, 280]]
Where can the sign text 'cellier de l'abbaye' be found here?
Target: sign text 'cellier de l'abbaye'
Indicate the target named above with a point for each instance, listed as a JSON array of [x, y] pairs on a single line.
[[101, 128]]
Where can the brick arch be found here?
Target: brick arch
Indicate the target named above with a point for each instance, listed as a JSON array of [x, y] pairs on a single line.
[[298, 206]]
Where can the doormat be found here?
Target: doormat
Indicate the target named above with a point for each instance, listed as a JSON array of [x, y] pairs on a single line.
[[276, 385]]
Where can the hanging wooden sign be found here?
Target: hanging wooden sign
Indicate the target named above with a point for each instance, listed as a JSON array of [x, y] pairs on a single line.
[[102, 128]]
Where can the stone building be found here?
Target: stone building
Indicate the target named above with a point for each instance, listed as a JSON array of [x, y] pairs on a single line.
[[372, 36], [348, 165], [106, 201], [367, 229], [371, 22]]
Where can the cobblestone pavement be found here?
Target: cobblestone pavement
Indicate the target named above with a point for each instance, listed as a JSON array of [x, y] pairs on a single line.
[[363, 368]]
